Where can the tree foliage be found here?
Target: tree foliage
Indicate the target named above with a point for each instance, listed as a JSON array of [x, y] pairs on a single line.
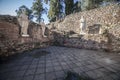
[[59, 8], [56, 10], [91, 4], [69, 5], [28, 11], [110, 0], [38, 10], [77, 6], [87, 4], [46, 1]]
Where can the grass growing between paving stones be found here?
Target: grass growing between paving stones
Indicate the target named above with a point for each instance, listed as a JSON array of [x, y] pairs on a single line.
[[40, 53], [74, 76]]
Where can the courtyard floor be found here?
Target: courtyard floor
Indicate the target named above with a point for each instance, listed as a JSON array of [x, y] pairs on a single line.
[[53, 66]]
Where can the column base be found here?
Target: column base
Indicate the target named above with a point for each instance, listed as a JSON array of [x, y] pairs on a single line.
[[82, 33], [25, 35]]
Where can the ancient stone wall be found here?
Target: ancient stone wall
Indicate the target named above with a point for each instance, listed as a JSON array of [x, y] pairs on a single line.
[[11, 40], [108, 15], [10, 28], [108, 19]]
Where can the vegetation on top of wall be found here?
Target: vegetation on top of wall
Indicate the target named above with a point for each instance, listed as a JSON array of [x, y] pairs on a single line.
[[61, 8], [28, 11]]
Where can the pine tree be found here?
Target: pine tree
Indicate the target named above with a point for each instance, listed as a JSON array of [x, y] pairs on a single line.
[[110, 0], [69, 5], [77, 6], [56, 10], [38, 9], [90, 4], [46, 1]]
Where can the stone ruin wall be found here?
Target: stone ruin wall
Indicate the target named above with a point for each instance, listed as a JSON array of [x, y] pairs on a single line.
[[108, 16], [11, 39]]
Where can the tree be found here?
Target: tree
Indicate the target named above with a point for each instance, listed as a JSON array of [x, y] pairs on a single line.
[[28, 11], [56, 10], [46, 1], [77, 6], [69, 4], [110, 0], [86, 4], [106, 2], [38, 10], [90, 4]]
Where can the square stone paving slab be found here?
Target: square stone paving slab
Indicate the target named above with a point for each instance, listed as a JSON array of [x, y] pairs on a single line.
[[97, 65]]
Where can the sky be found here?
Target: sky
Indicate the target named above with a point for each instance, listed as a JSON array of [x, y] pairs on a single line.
[[8, 7]]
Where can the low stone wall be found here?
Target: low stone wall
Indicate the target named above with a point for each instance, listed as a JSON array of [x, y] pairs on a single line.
[[93, 42], [12, 42], [89, 43]]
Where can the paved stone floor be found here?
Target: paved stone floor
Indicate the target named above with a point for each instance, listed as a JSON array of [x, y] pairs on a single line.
[[53, 66]]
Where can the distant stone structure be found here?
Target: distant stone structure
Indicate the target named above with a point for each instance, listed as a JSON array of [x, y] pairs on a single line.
[[24, 22], [82, 25]]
